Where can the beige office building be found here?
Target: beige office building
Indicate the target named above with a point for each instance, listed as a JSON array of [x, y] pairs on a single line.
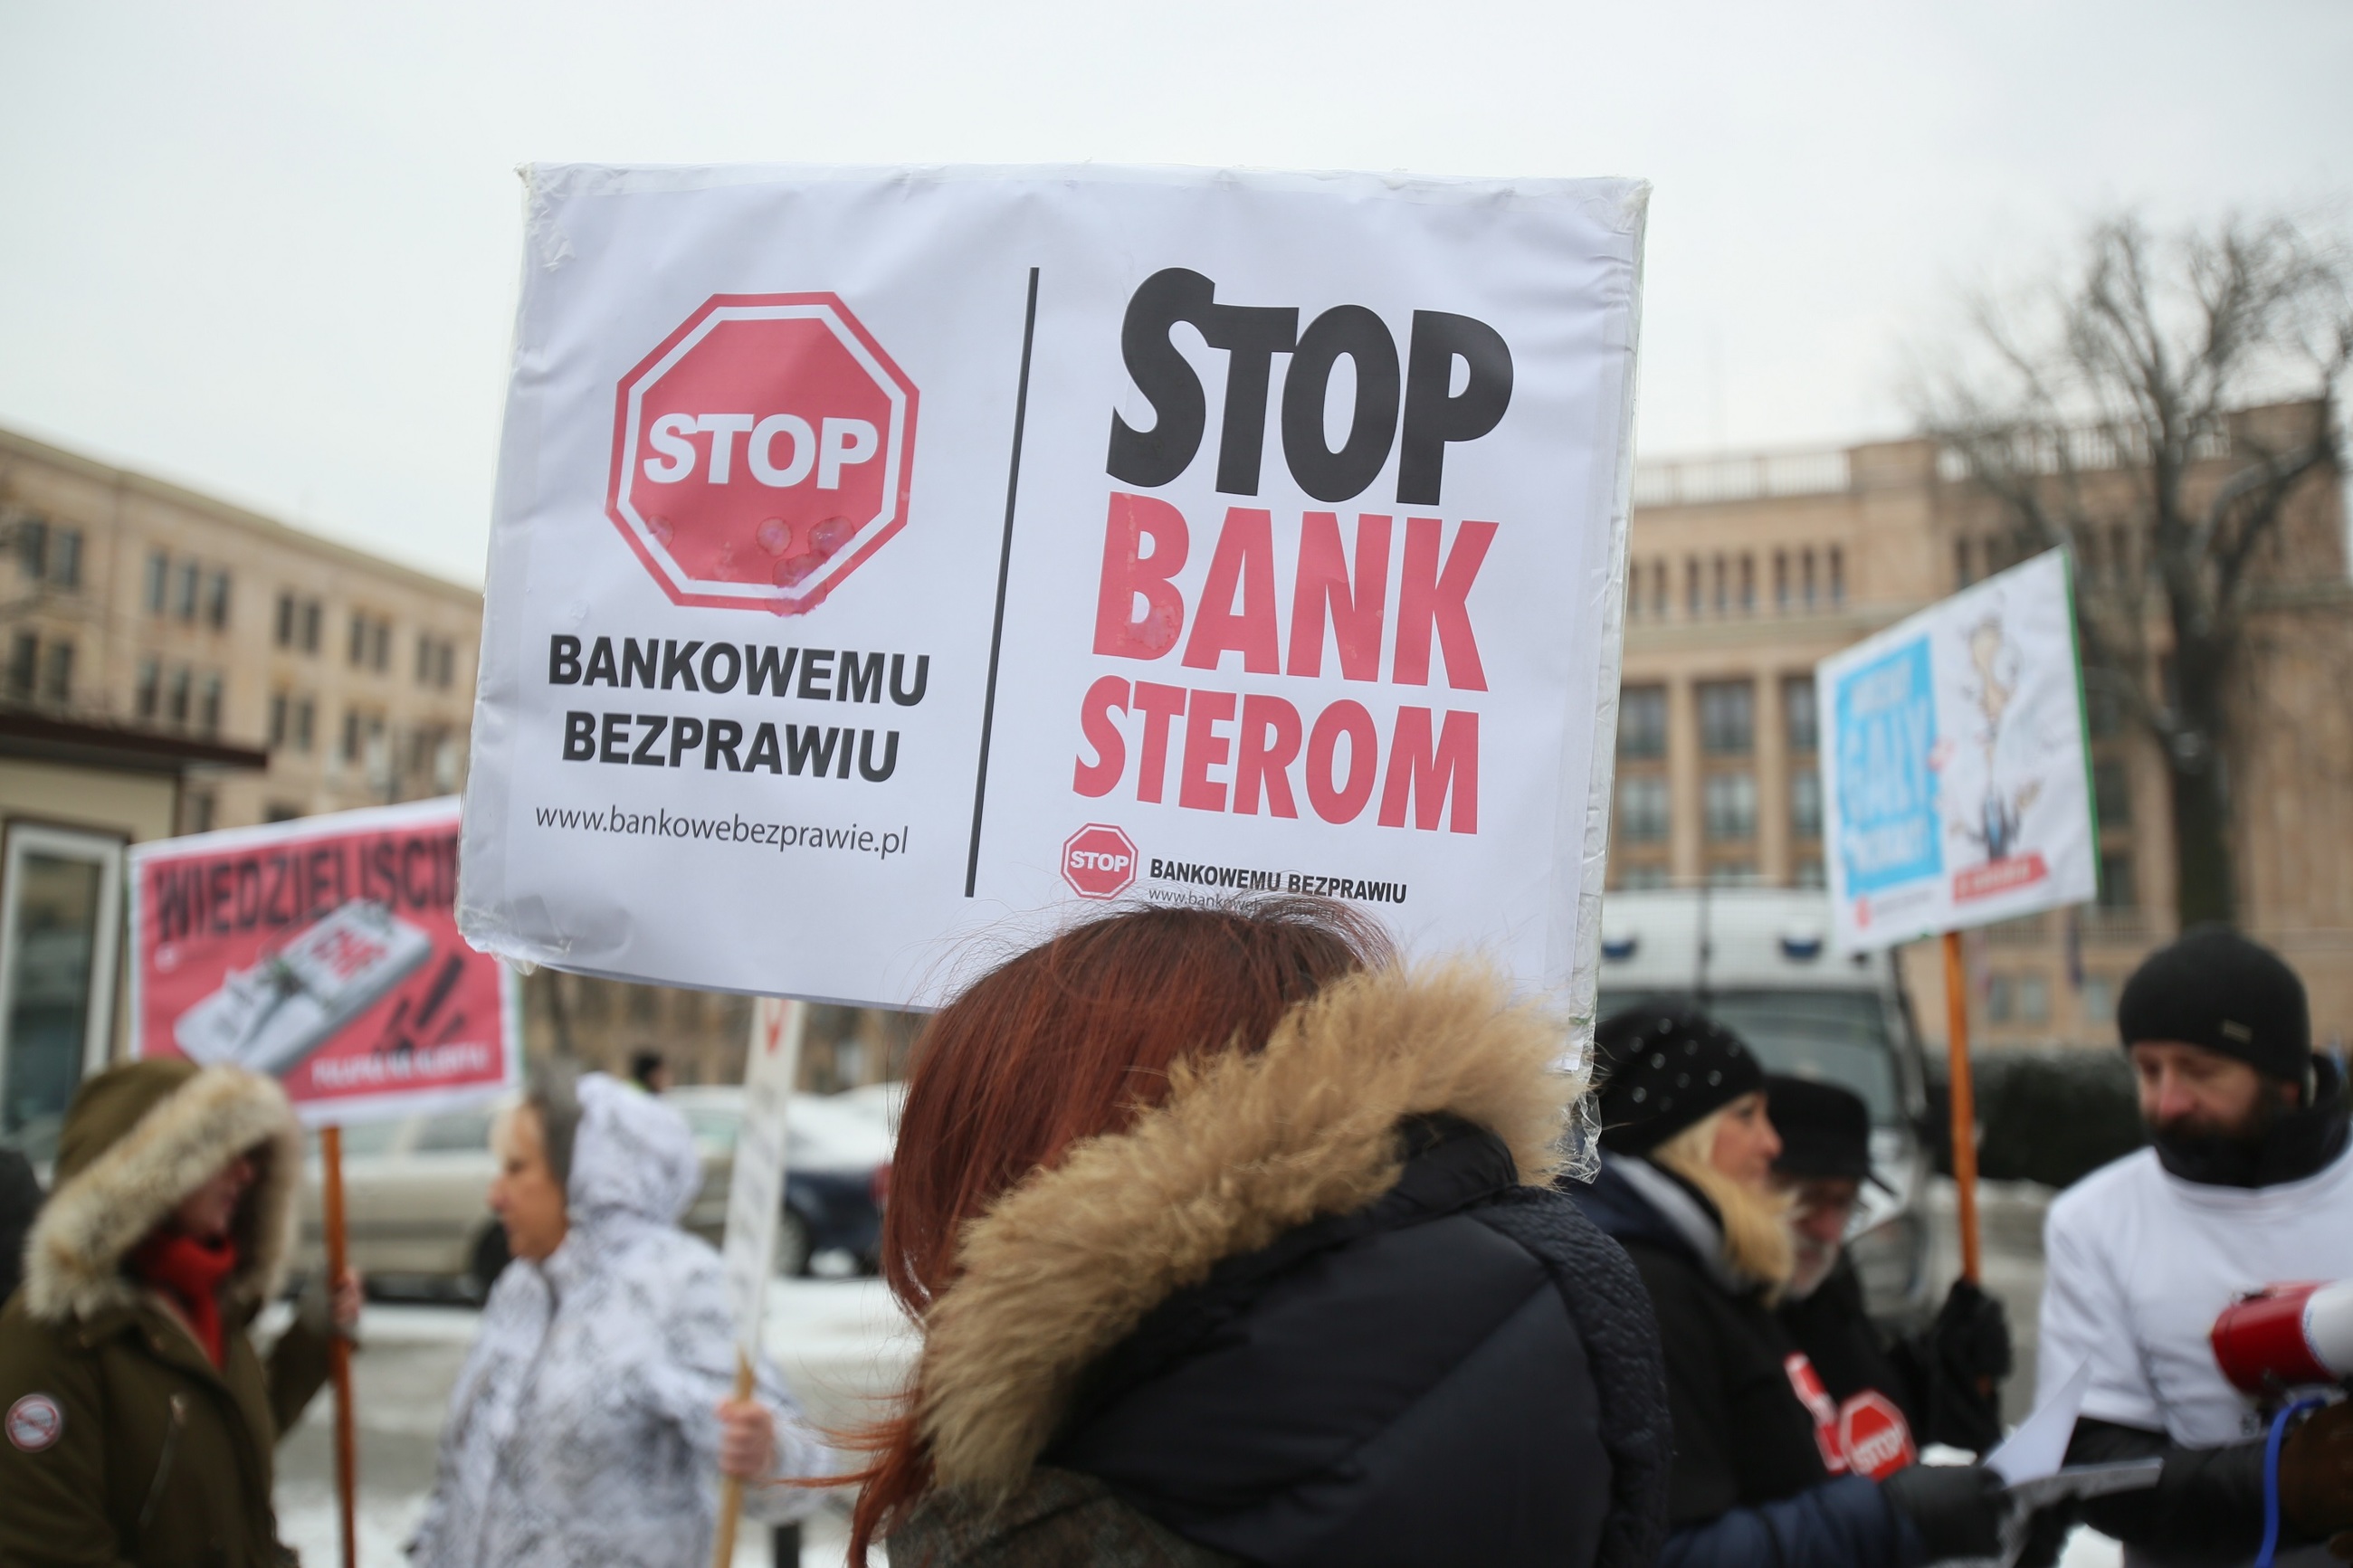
[[134, 602], [1744, 571]]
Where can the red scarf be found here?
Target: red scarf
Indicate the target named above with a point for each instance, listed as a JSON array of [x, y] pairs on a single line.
[[190, 1272]]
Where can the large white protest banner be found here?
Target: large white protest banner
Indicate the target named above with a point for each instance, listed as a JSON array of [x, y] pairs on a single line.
[[879, 554], [1955, 771]]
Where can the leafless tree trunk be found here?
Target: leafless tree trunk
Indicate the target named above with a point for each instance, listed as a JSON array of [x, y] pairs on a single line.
[[2083, 406]]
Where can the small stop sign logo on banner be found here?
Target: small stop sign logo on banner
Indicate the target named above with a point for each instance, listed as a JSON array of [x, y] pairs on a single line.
[[762, 452], [1098, 862]]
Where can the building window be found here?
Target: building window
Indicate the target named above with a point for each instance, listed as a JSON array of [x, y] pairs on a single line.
[[306, 714], [150, 683], [279, 705], [1805, 804], [1732, 874], [65, 559], [1729, 803], [1961, 578], [1642, 722], [423, 659], [2099, 999], [159, 574], [33, 548], [350, 734], [184, 590], [1797, 718], [2111, 793], [24, 665], [1747, 585], [1806, 577], [2103, 713], [175, 697], [216, 602], [359, 649], [1691, 587], [285, 623], [1808, 872], [1643, 878], [1997, 1003], [1837, 577], [2033, 999], [1780, 579], [312, 617], [1727, 717], [208, 706], [1642, 809], [281, 811], [1659, 592], [197, 810], [2118, 888], [1721, 598], [57, 677]]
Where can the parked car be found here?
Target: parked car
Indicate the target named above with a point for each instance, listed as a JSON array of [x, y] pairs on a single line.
[[836, 1174], [416, 1191], [1761, 961]]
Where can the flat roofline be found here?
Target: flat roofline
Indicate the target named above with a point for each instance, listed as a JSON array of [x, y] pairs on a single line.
[[14, 442], [39, 738]]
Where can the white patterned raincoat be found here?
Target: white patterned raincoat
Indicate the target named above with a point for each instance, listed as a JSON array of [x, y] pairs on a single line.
[[581, 1430]]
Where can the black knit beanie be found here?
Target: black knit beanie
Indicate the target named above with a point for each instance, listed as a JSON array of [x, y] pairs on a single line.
[[1664, 1066], [2215, 988]]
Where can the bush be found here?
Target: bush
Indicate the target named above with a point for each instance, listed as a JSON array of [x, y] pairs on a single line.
[[2052, 1117]]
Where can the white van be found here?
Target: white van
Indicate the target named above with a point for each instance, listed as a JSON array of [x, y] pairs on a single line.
[[1760, 960]]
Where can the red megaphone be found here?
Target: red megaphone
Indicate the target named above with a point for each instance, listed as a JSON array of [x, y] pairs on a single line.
[[2287, 1336]]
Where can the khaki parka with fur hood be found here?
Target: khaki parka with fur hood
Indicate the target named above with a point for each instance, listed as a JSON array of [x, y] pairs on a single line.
[[120, 1441]]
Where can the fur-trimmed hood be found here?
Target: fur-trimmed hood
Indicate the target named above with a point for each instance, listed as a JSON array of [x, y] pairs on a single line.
[[1245, 1148], [137, 1140]]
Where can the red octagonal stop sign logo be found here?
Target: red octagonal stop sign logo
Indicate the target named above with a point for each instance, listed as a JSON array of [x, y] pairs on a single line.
[[1098, 861], [762, 452]]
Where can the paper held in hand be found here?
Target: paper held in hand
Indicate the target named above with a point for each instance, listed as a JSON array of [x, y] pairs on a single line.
[[755, 1192]]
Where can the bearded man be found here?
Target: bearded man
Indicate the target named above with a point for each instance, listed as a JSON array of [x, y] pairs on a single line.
[[1892, 1393], [2248, 1183]]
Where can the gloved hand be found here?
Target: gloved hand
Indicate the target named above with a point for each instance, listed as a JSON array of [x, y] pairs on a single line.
[[1971, 1335], [2315, 1472], [1957, 1509]]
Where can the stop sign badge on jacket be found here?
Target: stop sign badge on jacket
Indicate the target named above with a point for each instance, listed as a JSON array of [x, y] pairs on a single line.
[[762, 452]]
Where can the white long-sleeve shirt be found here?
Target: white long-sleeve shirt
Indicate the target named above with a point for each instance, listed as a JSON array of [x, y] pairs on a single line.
[[2139, 1264]]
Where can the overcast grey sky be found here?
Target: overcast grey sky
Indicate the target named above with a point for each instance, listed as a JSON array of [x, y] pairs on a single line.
[[270, 250]]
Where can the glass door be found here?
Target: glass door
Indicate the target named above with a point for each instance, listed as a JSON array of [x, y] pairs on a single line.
[[60, 928]]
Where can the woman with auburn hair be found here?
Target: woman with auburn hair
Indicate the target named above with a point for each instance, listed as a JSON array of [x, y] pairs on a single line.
[[1759, 1471], [1232, 1241]]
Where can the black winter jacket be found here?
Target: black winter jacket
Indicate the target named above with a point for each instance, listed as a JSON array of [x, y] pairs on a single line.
[[1749, 1482], [1434, 1361], [1423, 1373]]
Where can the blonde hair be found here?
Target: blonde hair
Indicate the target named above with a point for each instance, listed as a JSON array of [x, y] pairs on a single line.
[[1757, 1241]]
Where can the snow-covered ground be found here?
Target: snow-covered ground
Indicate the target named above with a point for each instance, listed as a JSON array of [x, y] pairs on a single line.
[[844, 1347]]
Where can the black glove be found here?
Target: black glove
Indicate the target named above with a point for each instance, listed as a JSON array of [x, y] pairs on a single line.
[[2315, 1472], [1961, 1360], [1971, 1335], [1957, 1509]]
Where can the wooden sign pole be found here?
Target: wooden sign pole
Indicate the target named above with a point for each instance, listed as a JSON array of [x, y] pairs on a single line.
[[1963, 1093], [338, 1348], [731, 1490]]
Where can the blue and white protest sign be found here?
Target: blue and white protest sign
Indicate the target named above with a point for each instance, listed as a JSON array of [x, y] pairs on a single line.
[[1956, 770]]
